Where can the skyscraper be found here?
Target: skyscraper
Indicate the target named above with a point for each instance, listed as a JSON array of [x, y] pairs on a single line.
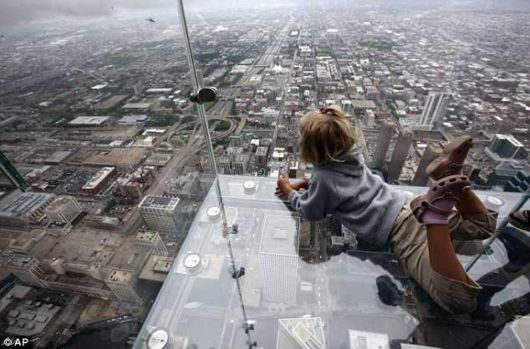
[[301, 333], [506, 146], [518, 183], [124, 286], [401, 151], [278, 260], [383, 142], [435, 110], [432, 151], [152, 242], [160, 213], [234, 161]]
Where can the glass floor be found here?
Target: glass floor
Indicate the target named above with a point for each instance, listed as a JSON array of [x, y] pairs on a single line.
[[313, 285]]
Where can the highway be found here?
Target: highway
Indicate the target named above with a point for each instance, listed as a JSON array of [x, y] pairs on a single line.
[[195, 141]]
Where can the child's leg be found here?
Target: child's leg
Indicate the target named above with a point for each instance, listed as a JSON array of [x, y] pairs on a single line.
[[431, 259], [472, 221], [442, 254], [434, 209], [436, 267], [470, 203], [428, 257]]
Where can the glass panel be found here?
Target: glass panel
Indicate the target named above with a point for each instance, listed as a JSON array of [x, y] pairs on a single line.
[[299, 288]]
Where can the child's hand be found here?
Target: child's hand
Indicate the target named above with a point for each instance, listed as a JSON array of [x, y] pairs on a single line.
[[299, 184], [284, 187]]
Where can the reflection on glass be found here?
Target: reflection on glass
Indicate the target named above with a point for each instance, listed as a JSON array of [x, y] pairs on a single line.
[[312, 278]]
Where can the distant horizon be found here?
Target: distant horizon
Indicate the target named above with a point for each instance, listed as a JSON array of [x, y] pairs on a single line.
[[21, 12]]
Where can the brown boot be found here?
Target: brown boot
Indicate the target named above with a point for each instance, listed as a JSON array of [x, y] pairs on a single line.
[[436, 205], [452, 159]]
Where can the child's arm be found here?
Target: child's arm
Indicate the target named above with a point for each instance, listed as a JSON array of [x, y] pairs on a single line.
[[316, 202], [300, 184]]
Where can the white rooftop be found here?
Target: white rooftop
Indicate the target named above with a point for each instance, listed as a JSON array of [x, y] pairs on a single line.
[[89, 120], [159, 202]]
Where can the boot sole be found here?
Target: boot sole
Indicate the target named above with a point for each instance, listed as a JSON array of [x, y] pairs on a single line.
[[454, 153]]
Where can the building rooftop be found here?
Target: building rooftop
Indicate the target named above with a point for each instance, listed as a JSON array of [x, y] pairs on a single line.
[[82, 246], [59, 203], [119, 276], [279, 234], [98, 178], [340, 290], [363, 104], [156, 268], [306, 332], [17, 292], [145, 236], [24, 203], [510, 139], [138, 105], [30, 318], [159, 202], [133, 119], [87, 247], [89, 120], [159, 90]]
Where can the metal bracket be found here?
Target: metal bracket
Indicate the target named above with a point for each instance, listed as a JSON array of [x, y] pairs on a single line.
[[238, 273], [204, 95], [248, 328]]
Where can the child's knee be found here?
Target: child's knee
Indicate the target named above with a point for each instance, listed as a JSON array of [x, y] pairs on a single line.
[[490, 224], [481, 226], [454, 296], [459, 305]]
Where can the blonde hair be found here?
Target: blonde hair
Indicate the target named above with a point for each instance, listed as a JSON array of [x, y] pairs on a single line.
[[326, 135]]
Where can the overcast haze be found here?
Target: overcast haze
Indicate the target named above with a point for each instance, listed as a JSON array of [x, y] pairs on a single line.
[[15, 11], [20, 11]]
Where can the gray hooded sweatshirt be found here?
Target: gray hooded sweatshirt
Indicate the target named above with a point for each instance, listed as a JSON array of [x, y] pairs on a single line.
[[359, 199]]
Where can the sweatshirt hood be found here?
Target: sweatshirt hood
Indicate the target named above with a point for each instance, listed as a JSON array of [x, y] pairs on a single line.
[[351, 164]]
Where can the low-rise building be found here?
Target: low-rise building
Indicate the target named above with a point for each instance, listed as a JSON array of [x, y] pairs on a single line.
[[133, 185], [89, 120], [22, 209], [64, 209], [99, 181]]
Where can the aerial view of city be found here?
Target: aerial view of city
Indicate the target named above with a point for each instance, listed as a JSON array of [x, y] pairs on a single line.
[[133, 214]]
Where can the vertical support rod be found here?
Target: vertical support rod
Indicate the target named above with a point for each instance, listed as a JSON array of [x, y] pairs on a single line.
[[240, 294], [206, 131], [201, 110], [522, 201]]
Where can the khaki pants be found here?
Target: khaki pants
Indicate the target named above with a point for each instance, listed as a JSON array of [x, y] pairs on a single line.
[[408, 240]]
